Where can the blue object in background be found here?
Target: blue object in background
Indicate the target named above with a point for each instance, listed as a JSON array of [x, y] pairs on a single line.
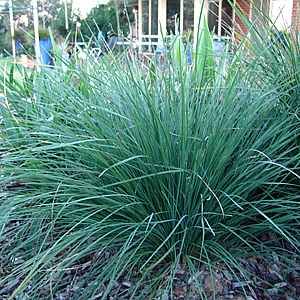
[[19, 46], [189, 54], [218, 47], [46, 48]]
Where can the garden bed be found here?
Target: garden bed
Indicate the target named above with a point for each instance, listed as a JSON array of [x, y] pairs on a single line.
[[122, 180]]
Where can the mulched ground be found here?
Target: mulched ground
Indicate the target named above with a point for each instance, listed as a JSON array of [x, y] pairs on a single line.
[[270, 279]]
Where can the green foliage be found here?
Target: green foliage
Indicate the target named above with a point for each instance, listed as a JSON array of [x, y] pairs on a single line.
[[178, 52], [59, 23], [5, 43], [142, 171], [4, 19], [204, 56], [285, 69], [105, 18], [275, 54], [43, 33]]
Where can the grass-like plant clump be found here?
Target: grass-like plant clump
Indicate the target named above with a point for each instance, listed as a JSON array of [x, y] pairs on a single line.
[[138, 172]]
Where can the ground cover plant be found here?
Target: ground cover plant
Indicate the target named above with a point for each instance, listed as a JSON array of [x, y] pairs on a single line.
[[142, 174]]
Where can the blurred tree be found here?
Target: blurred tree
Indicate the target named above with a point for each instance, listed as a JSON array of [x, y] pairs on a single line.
[[111, 17], [4, 18], [5, 40], [59, 21]]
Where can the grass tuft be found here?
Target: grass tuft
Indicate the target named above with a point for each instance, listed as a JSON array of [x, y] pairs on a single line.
[[138, 172]]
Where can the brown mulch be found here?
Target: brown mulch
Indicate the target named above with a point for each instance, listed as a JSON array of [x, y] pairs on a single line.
[[269, 279]]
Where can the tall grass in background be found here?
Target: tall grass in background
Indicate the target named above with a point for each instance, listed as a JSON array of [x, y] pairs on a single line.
[[274, 55], [146, 170]]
